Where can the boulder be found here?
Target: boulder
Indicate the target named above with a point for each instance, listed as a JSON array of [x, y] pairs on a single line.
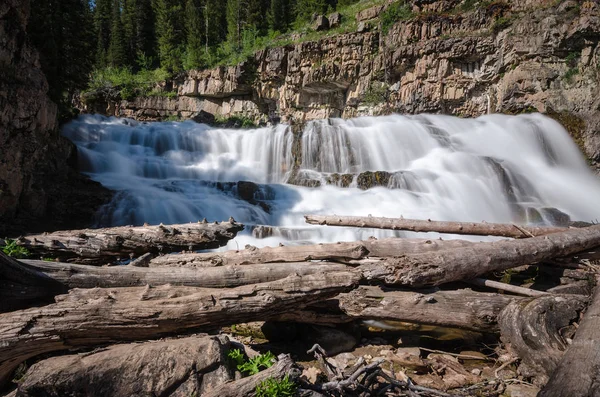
[[321, 23], [335, 19]]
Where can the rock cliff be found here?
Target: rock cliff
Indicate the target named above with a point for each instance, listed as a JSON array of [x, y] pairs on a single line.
[[38, 188], [451, 56]]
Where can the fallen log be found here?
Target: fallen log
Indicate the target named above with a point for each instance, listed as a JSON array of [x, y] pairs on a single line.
[[341, 252], [90, 317], [173, 367], [22, 286], [435, 268], [577, 373], [415, 225], [246, 387], [531, 330], [465, 309], [101, 245], [85, 276]]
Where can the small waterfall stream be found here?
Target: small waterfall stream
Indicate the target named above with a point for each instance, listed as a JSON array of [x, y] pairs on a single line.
[[496, 168]]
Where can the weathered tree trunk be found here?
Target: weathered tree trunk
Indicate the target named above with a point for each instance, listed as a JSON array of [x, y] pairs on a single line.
[[578, 372], [246, 387], [172, 367], [89, 317], [341, 252], [415, 225], [83, 276], [466, 309], [101, 245], [530, 329], [441, 267], [22, 286]]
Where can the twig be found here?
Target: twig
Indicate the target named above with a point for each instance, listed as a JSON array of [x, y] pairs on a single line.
[[506, 364], [525, 232], [481, 282], [457, 355]]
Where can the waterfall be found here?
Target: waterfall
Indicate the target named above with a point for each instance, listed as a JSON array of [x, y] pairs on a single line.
[[495, 168]]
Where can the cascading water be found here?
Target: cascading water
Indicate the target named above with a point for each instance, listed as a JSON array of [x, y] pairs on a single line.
[[495, 168]]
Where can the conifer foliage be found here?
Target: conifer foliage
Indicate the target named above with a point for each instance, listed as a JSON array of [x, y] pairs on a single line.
[[83, 39]]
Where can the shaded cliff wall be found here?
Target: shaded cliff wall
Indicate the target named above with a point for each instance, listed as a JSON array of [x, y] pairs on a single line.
[[38, 188], [510, 57]]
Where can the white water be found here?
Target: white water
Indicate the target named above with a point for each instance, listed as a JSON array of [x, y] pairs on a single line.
[[445, 168]]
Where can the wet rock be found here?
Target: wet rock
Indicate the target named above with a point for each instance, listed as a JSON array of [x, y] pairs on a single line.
[[556, 217], [247, 190], [175, 367], [367, 180], [341, 180]]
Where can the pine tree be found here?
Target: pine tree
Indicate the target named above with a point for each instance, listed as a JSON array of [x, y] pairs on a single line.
[[235, 22], [195, 32], [102, 22], [169, 23], [255, 16], [280, 15], [306, 8], [129, 24], [146, 44], [117, 55], [215, 22]]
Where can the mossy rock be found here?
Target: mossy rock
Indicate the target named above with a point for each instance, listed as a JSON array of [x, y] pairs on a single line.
[[574, 125], [341, 180], [367, 180]]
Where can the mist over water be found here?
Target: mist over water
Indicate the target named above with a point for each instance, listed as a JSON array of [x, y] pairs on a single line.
[[497, 168]]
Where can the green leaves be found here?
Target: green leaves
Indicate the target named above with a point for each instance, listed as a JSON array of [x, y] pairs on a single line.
[[254, 365], [276, 388], [11, 248]]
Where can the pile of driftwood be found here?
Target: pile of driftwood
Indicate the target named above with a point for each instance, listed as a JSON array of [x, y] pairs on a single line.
[[47, 307]]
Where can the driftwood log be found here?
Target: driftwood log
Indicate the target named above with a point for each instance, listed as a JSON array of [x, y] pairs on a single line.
[[90, 317], [22, 286], [340, 252], [415, 225], [102, 245], [578, 372], [466, 309], [435, 268], [172, 367], [85, 276], [531, 330]]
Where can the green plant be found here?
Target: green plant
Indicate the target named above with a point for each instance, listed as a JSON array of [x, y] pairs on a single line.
[[501, 23], [571, 59], [570, 74], [376, 93], [11, 248], [276, 388], [397, 11], [254, 365], [237, 357]]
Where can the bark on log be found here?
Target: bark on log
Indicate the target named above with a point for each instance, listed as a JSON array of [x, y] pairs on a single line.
[[98, 245], [341, 252], [415, 225], [578, 373], [530, 329], [83, 276], [21, 286], [173, 367], [436, 268], [465, 309], [90, 317], [246, 387]]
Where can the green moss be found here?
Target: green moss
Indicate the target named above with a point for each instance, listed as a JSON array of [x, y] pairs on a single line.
[[574, 125], [572, 72]]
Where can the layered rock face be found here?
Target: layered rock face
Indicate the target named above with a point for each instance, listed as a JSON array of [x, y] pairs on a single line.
[[38, 188], [503, 56]]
